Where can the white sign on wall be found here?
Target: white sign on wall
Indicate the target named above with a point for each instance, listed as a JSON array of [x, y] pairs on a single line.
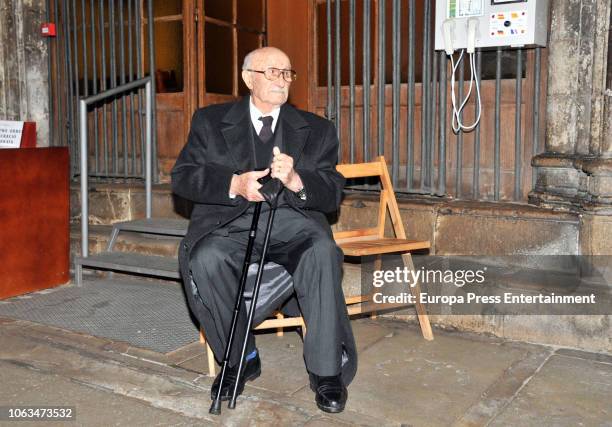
[[10, 133]]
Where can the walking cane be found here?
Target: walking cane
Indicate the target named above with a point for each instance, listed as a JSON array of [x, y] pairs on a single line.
[[270, 190]]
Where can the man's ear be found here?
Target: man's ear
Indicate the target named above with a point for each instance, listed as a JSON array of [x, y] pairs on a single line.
[[246, 77]]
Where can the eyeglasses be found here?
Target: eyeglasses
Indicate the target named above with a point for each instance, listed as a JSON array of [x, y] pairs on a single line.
[[272, 73]]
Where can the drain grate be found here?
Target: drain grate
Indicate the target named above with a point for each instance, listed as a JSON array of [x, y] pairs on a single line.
[[150, 315]]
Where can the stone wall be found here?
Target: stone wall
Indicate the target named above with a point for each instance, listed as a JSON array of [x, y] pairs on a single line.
[[24, 76]]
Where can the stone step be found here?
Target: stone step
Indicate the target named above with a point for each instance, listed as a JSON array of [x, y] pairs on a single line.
[[139, 243], [129, 262]]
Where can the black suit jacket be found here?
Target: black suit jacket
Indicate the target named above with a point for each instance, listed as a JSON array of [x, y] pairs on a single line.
[[220, 145]]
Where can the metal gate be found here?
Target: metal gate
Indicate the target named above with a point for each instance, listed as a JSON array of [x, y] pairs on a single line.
[[101, 47], [403, 110]]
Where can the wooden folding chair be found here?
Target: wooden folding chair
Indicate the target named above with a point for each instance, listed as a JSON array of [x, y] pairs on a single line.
[[372, 241], [363, 242]]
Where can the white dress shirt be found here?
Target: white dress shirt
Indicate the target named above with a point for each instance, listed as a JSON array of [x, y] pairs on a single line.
[[256, 114]]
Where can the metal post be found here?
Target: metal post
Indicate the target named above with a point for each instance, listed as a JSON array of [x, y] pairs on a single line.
[[338, 76], [381, 78], [58, 79], [84, 173], [536, 109], [139, 74], [476, 169], [396, 26], [432, 124], [366, 81], [411, 89], [424, 93], [131, 76], [103, 84], [459, 166], [69, 100], [123, 100], [329, 113], [113, 83], [149, 151], [75, 64], [442, 119], [496, 160], [352, 79], [152, 90], [94, 67], [517, 125]]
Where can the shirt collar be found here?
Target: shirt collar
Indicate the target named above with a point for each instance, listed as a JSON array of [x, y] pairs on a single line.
[[256, 114]]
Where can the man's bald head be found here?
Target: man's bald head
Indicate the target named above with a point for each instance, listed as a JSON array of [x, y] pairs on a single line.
[[255, 57]]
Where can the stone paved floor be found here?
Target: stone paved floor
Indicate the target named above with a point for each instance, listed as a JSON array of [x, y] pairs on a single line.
[[457, 379]]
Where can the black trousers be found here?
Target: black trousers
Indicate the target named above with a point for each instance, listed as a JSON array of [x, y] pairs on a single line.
[[307, 252]]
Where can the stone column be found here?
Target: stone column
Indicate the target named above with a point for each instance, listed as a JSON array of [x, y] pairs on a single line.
[[575, 172], [24, 78]]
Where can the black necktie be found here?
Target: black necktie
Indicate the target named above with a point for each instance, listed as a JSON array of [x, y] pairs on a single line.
[[265, 134]]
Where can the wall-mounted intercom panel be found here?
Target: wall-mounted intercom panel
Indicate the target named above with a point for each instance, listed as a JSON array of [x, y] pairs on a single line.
[[511, 23]]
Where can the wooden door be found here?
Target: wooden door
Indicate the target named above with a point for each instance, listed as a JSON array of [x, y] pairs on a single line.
[[200, 46]]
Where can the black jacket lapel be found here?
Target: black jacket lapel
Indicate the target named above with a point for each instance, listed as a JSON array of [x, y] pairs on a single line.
[[295, 132], [237, 135]]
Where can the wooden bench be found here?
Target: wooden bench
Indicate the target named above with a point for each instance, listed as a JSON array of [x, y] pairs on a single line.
[[364, 242]]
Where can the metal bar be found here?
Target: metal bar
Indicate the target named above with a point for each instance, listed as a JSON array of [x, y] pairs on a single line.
[[75, 40], [94, 70], [396, 49], [131, 76], [365, 84], [69, 102], [338, 82], [432, 124], [149, 148], [153, 140], [536, 109], [75, 63], [411, 90], [424, 94], [113, 83], [496, 159], [442, 119], [517, 125], [352, 79], [139, 74], [84, 178], [329, 113], [103, 83], [85, 58], [58, 77], [122, 80], [381, 78], [117, 90], [50, 108], [459, 165], [476, 167]]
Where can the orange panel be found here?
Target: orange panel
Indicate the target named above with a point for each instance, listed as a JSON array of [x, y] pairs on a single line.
[[34, 219], [290, 29]]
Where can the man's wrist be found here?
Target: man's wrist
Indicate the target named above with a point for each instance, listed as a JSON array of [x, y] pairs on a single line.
[[295, 184]]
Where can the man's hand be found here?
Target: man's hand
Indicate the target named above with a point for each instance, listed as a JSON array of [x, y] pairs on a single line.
[[282, 168], [246, 185]]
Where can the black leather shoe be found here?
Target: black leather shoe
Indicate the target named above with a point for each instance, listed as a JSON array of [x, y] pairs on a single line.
[[330, 393], [251, 371]]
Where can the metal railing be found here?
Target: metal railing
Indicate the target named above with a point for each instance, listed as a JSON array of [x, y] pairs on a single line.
[[84, 148], [100, 46], [406, 116]]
